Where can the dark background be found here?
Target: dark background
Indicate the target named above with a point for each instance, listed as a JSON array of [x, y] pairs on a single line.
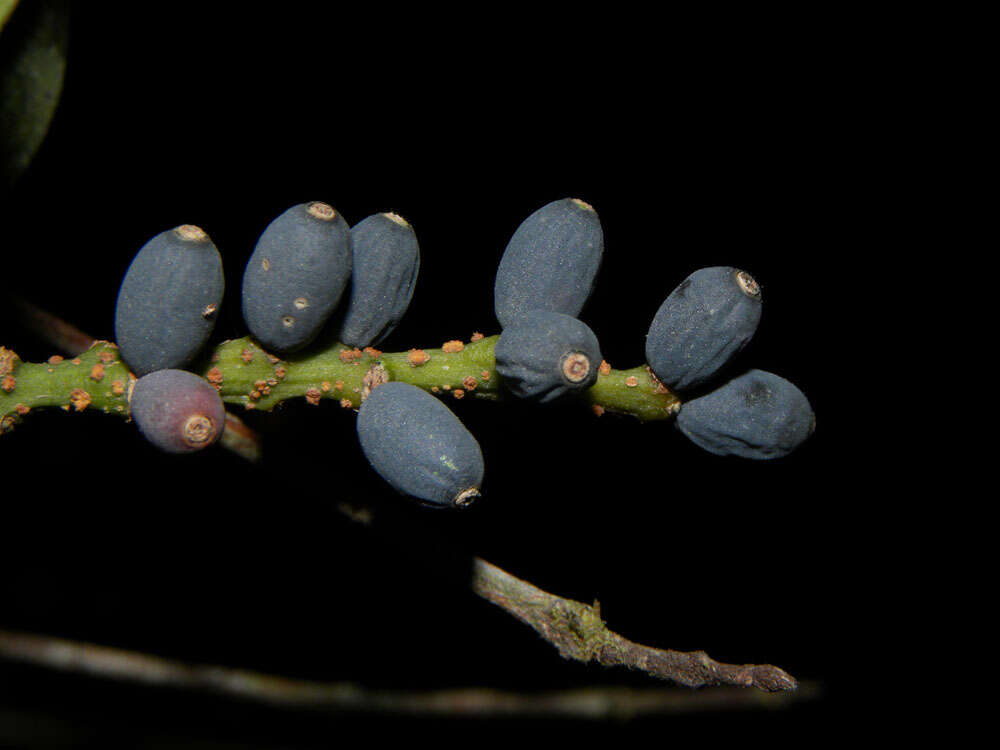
[[698, 144]]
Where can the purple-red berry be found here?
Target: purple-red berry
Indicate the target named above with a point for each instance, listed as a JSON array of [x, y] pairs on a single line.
[[177, 411]]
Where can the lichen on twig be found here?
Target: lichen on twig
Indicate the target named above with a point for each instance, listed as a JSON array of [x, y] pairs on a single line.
[[578, 632]]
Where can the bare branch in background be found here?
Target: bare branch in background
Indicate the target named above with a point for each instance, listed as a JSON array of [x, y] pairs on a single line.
[[589, 703], [55, 331]]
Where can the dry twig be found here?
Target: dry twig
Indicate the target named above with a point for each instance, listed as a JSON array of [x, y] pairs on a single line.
[[578, 631], [589, 703]]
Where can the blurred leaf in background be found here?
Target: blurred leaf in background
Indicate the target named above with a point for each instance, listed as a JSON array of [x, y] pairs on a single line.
[[33, 37]]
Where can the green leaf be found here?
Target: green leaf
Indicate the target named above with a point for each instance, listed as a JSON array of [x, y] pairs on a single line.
[[32, 67], [6, 8]]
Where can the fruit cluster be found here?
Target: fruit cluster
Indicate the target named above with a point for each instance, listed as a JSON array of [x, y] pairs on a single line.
[[310, 272]]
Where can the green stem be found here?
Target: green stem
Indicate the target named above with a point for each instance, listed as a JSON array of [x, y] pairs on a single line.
[[246, 374], [97, 379]]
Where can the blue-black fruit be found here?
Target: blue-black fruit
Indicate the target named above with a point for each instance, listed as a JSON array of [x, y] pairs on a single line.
[[169, 300], [551, 262], [296, 276], [386, 262], [756, 415], [419, 446], [702, 325], [177, 411], [544, 356]]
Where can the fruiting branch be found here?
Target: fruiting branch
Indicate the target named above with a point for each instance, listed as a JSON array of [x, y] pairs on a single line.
[[578, 632], [247, 375], [71, 341]]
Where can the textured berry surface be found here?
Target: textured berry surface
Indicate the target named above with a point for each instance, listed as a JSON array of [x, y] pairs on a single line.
[[296, 276], [551, 262], [756, 415], [386, 262], [544, 356], [702, 325], [169, 300], [419, 446], [177, 411]]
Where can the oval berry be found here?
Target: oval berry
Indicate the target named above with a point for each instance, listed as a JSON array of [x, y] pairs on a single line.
[[386, 263], [551, 261], [419, 446], [702, 325], [177, 411], [544, 356], [169, 300], [296, 276], [756, 415]]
